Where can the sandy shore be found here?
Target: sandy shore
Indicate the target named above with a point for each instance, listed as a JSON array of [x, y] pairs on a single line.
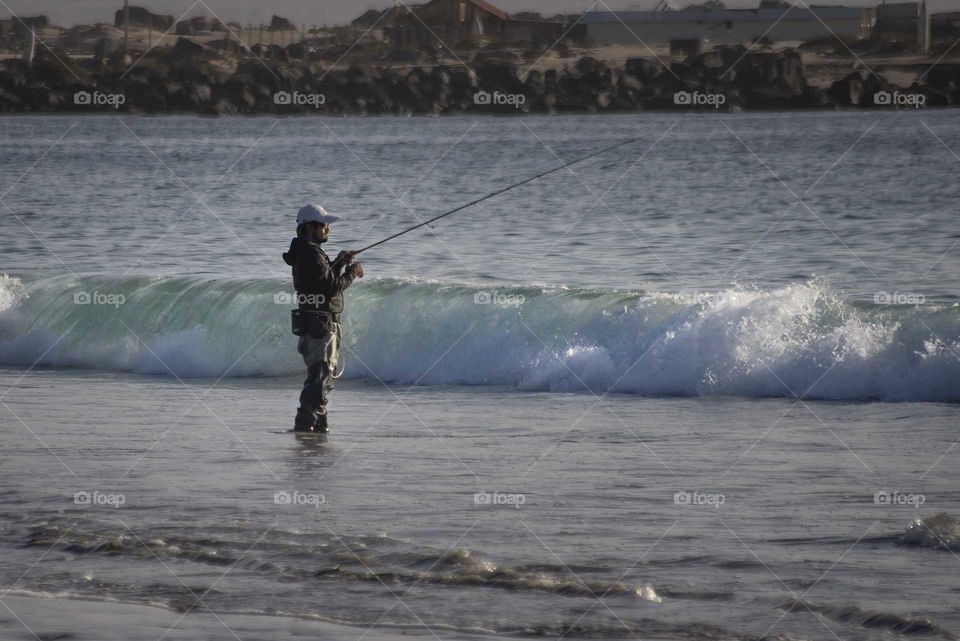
[[27, 617]]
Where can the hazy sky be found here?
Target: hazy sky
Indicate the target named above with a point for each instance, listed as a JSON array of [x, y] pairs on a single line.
[[69, 12]]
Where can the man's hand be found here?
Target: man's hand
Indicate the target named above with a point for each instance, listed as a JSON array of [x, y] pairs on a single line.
[[356, 269], [344, 257]]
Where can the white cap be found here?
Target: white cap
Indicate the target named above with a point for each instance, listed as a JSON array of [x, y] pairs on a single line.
[[314, 214]]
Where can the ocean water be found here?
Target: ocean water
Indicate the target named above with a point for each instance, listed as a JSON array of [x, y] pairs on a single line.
[[701, 387]]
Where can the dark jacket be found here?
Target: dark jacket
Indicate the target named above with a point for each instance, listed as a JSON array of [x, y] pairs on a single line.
[[316, 278]]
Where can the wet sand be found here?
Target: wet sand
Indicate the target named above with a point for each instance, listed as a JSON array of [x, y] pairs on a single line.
[[50, 619]]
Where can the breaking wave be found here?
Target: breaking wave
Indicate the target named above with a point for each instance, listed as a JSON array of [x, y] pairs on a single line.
[[940, 531], [890, 621], [802, 339], [458, 567]]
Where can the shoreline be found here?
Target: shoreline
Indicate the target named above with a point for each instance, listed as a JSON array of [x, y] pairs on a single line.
[[793, 112], [76, 617]]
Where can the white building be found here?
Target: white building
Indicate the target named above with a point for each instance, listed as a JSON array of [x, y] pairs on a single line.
[[731, 26]]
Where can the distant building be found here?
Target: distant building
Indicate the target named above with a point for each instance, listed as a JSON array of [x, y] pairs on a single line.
[[923, 29], [898, 19], [945, 27], [692, 28], [279, 23], [140, 17], [369, 27], [22, 26], [545, 32], [449, 22], [443, 21], [909, 20], [946, 24], [15, 32], [369, 19], [35, 22]]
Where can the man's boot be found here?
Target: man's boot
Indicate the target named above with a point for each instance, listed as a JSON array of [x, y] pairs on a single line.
[[304, 422], [320, 424]]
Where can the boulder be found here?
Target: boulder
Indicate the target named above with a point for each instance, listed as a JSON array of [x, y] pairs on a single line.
[[943, 83], [849, 91], [55, 68], [222, 107], [255, 72], [185, 48], [279, 54], [494, 54], [228, 45], [43, 98], [198, 24], [499, 76], [103, 50], [643, 68], [239, 90], [297, 51], [10, 100], [408, 56], [142, 97], [13, 74]]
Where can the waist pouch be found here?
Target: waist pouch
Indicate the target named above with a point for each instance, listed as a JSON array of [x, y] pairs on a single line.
[[313, 324]]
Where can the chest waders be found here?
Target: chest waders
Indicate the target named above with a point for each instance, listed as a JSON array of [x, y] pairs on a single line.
[[319, 345]]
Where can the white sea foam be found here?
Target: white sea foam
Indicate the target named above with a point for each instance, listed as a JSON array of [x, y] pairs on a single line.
[[799, 340]]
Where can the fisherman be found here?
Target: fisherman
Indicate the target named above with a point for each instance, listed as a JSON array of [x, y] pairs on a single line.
[[320, 284]]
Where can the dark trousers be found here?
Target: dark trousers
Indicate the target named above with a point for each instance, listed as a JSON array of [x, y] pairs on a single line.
[[320, 356]]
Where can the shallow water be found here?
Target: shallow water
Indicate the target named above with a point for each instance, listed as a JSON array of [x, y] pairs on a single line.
[[396, 514], [587, 347]]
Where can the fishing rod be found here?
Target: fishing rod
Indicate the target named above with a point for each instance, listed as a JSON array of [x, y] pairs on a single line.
[[492, 194]]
